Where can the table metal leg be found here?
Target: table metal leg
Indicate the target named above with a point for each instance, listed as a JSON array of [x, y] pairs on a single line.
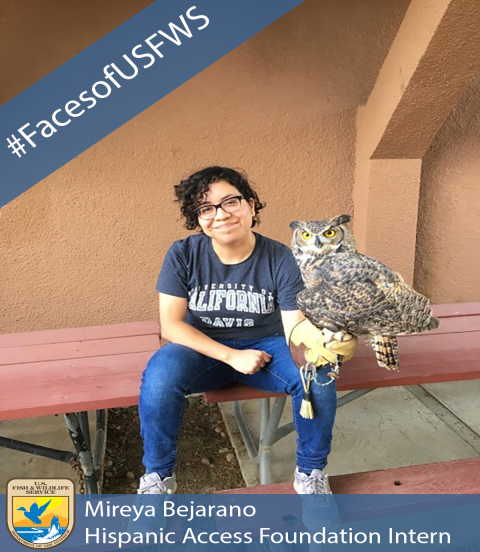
[[100, 445], [264, 416], [269, 438], [37, 450], [84, 453], [349, 397], [245, 432], [82, 418]]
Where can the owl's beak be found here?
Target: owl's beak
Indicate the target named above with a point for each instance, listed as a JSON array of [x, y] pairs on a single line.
[[318, 243]]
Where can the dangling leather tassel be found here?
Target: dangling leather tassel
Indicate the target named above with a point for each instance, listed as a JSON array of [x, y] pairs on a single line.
[[306, 410]]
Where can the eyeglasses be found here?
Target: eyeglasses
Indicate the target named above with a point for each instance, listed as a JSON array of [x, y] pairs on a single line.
[[209, 212]]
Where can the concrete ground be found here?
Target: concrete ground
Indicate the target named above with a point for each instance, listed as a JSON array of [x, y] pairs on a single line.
[[386, 428]]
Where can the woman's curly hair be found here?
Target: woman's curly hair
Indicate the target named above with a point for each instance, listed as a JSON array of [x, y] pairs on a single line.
[[191, 191]]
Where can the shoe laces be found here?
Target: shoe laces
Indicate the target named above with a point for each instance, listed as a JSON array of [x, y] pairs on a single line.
[[317, 484]]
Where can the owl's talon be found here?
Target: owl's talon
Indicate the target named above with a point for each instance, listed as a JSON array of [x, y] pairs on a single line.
[[328, 335], [340, 336]]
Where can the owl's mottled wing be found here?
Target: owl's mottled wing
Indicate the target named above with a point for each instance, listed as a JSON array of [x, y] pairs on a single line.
[[354, 293]]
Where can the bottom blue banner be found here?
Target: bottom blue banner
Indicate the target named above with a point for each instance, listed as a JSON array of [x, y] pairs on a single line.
[[287, 522]]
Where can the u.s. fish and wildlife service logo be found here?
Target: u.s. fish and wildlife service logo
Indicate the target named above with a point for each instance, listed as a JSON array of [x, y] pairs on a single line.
[[40, 512]]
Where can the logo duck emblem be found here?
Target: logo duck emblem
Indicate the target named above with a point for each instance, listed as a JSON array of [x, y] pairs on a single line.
[[35, 511]]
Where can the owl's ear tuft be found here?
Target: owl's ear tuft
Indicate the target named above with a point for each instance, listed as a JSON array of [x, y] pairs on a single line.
[[295, 224], [342, 219]]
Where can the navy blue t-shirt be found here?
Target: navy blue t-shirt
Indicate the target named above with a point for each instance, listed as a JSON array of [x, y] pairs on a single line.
[[232, 302]]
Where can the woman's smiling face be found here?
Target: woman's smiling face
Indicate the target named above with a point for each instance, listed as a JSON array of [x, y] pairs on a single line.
[[227, 228]]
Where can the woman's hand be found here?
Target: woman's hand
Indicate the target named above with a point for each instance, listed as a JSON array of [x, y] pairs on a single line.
[[249, 361]]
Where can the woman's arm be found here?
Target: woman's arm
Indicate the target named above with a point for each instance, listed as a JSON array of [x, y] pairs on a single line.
[[173, 311], [289, 320]]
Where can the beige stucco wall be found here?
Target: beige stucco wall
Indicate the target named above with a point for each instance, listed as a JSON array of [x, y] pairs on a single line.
[[84, 246], [447, 264]]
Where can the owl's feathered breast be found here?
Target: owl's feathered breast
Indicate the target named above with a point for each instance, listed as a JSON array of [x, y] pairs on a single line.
[[352, 292]]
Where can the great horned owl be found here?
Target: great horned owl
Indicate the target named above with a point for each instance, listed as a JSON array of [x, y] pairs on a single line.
[[347, 291]]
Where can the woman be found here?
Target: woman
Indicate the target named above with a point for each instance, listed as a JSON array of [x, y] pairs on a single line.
[[227, 301]]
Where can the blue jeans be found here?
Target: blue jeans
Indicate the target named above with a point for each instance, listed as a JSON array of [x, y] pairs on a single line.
[[175, 371]]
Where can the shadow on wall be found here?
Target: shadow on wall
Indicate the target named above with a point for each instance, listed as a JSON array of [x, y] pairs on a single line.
[[448, 245]]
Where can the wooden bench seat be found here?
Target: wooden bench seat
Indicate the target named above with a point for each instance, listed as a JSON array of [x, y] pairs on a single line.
[[455, 477], [75, 369]]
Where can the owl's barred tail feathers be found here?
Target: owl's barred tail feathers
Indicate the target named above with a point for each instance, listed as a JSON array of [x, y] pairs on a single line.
[[386, 351], [386, 347]]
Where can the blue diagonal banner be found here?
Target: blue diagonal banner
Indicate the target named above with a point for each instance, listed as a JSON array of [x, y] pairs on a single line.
[[118, 77]]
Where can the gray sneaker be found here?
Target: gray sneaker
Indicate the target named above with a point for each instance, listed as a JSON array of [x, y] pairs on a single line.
[[315, 483], [152, 483]]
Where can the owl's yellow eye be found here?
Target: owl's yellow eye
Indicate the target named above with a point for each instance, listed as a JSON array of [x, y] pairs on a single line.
[[329, 233], [306, 235]]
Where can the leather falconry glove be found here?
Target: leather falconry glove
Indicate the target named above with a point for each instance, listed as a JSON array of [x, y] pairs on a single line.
[[311, 347]]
